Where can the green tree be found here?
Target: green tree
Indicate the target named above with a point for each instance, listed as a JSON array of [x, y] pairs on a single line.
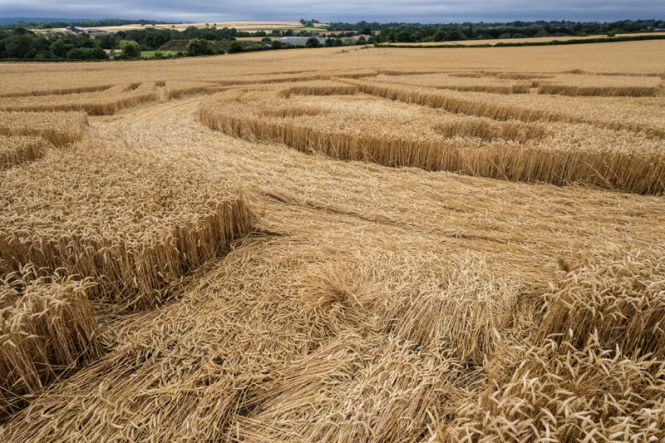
[[313, 42], [235, 47], [440, 36], [198, 46], [75, 54], [86, 54], [96, 54], [106, 41], [129, 49], [455, 35]]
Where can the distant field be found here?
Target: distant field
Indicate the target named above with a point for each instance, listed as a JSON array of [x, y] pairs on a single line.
[[254, 39], [520, 40], [335, 245], [241, 26], [151, 54]]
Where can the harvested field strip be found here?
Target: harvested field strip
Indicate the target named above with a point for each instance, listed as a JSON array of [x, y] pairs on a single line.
[[132, 87], [613, 73], [605, 91], [47, 328], [278, 79], [601, 85], [59, 128], [489, 130], [17, 150], [175, 90], [307, 71], [615, 171], [491, 85], [501, 75], [57, 91], [515, 89], [133, 244], [460, 105], [362, 74], [319, 88], [639, 173], [103, 104], [297, 78], [398, 73]]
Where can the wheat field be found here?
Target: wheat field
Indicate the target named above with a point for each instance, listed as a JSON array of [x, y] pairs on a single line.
[[376, 244]]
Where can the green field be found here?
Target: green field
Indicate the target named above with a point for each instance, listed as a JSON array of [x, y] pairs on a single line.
[[151, 54]]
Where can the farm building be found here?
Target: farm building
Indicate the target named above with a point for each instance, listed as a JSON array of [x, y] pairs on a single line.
[[96, 32], [90, 31], [300, 41]]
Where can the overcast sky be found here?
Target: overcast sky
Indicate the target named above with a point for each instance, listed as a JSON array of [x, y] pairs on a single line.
[[426, 11]]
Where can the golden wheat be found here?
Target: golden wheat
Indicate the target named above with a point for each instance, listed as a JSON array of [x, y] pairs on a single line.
[[525, 108], [368, 303], [620, 299], [471, 84], [59, 128], [103, 101], [562, 393], [20, 149], [358, 129], [47, 328], [601, 85], [57, 91], [133, 232]]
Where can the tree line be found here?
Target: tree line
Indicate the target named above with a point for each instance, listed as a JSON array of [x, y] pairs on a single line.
[[68, 23], [416, 32], [20, 43]]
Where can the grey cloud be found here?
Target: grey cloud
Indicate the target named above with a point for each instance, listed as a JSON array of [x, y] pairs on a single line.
[[341, 10]]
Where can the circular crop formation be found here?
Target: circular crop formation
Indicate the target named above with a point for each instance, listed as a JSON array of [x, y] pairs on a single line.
[[350, 120], [256, 282]]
